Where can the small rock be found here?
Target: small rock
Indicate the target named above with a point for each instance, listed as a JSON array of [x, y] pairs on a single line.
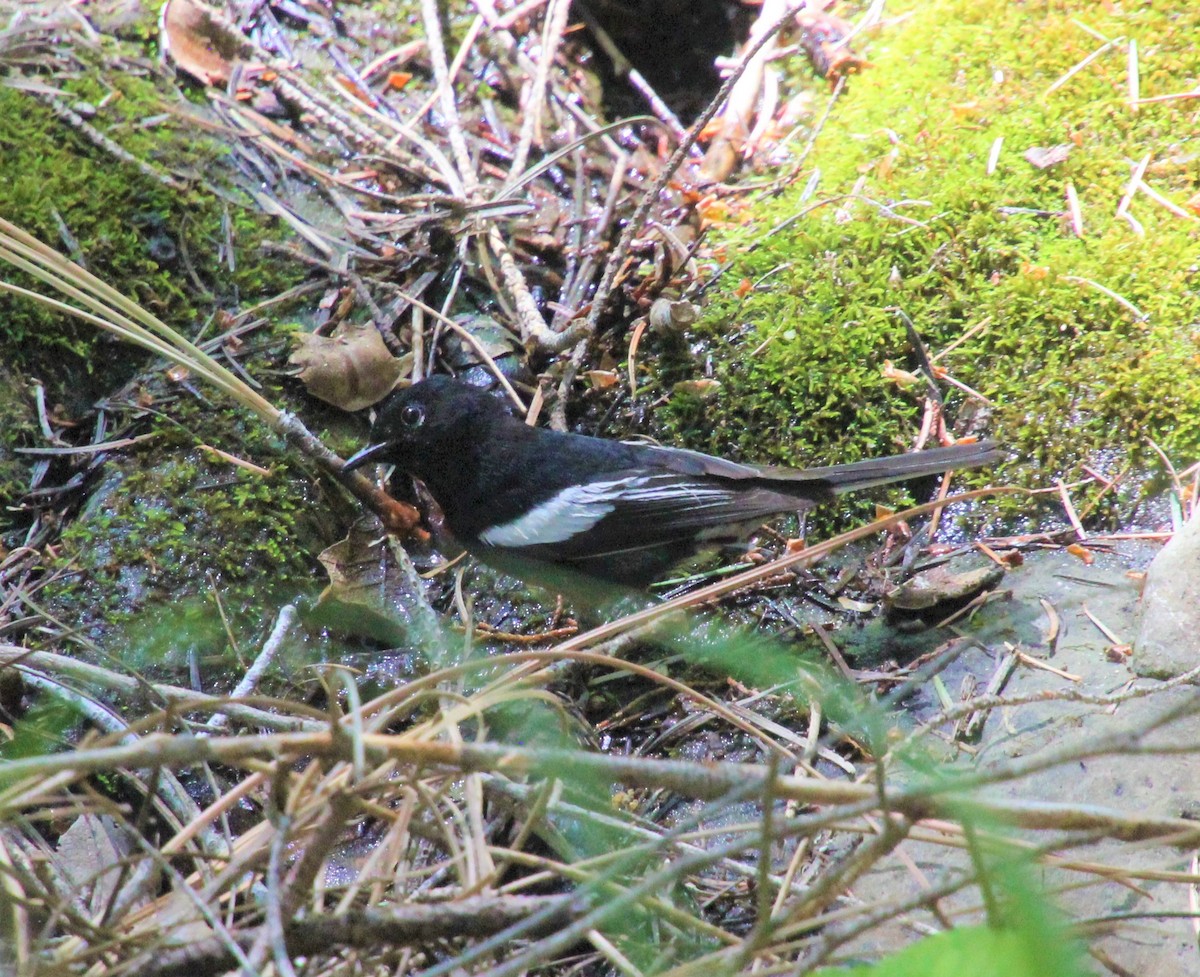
[[1168, 641], [938, 592]]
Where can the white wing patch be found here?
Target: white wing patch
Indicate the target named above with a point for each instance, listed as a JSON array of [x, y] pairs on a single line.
[[572, 511], [577, 509]]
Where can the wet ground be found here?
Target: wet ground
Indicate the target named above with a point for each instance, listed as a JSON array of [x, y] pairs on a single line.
[[1097, 609]]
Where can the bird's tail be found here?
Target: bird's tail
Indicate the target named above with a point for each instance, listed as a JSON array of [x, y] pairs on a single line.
[[897, 468]]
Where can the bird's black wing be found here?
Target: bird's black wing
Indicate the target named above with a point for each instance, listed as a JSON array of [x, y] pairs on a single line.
[[632, 510], [641, 509]]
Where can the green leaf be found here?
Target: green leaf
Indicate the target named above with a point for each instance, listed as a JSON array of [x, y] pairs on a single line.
[[981, 952]]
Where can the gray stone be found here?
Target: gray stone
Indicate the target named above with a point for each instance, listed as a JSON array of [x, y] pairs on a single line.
[[1168, 641]]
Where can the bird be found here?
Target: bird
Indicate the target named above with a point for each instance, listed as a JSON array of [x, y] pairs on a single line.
[[518, 496]]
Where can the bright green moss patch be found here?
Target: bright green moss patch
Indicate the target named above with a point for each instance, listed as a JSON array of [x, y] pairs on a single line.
[[169, 249], [906, 215]]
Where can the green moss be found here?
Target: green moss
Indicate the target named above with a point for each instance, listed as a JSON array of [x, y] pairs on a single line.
[[163, 247], [170, 526], [907, 216], [19, 425], [174, 525]]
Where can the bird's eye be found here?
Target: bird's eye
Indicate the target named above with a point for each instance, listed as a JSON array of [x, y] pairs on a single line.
[[412, 416]]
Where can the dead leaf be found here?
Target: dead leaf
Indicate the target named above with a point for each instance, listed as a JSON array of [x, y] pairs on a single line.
[[720, 160], [939, 591], [369, 592], [497, 341], [350, 369], [903, 378], [1118, 654], [201, 41], [703, 389], [1082, 553], [90, 853], [667, 316], [601, 379], [175, 921], [1043, 157]]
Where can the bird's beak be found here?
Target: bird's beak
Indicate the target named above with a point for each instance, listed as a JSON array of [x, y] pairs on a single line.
[[360, 458]]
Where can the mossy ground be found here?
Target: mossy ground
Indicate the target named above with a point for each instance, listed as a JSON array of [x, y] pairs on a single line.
[[169, 249], [18, 422], [174, 529], [169, 526], [906, 215]]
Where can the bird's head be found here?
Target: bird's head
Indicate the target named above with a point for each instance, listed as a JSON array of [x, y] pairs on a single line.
[[429, 426]]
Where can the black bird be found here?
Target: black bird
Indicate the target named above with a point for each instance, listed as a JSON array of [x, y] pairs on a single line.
[[513, 494]]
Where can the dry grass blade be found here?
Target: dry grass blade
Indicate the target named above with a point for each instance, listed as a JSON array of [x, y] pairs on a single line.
[[414, 785], [691, 779], [1075, 69], [114, 312]]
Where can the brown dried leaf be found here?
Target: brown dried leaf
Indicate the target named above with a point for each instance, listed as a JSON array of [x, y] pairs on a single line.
[[721, 158], [939, 591], [903, 378], [602, 379], [1043, 157], [1082, 553], [369, 592], [89, 854], [201, 41], [701, 389], [350, 369], [672, 317], [1118, 654]]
